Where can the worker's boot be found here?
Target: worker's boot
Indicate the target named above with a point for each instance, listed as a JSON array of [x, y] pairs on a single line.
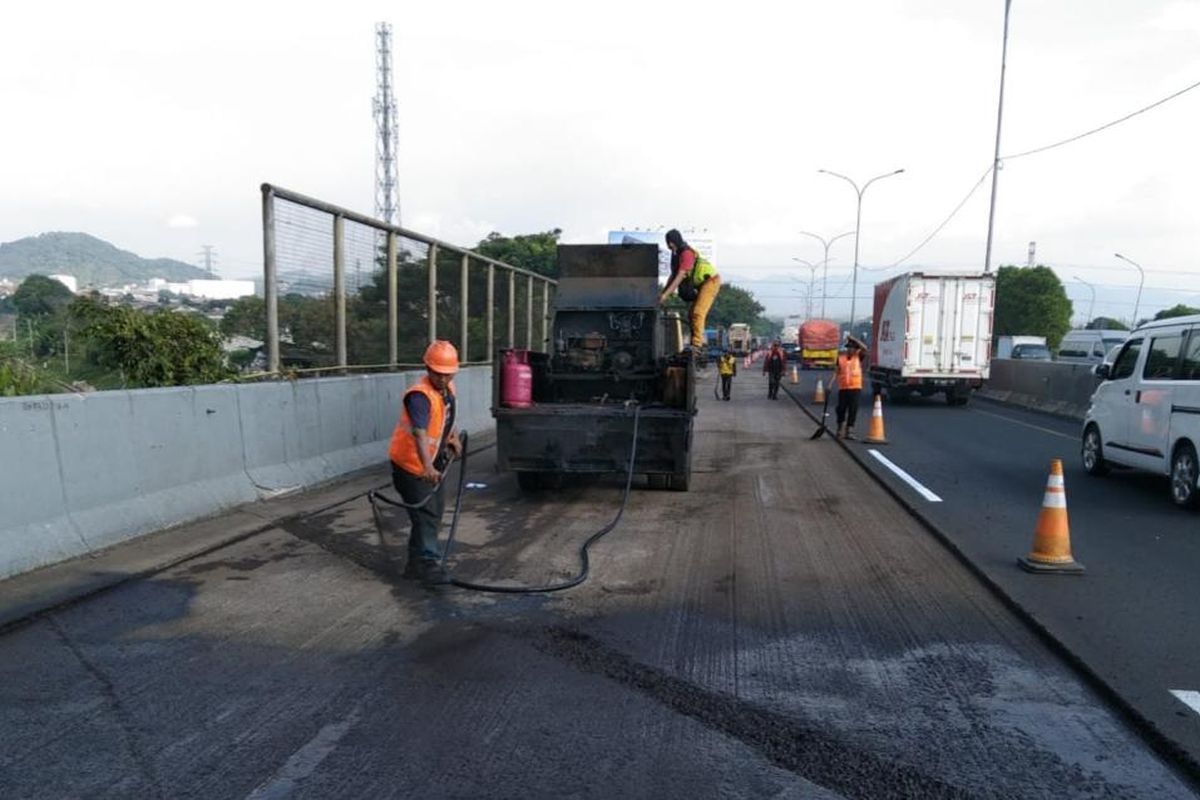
[[849, 433], [841, 432]]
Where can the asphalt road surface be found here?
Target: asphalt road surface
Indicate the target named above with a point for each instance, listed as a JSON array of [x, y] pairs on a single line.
[[1133, 618], [785, 629]]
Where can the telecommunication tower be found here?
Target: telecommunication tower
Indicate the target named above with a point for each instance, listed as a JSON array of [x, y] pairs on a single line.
[[387, 195]]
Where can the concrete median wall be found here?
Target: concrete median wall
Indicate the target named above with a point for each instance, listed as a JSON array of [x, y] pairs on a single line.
[[1064, 389], [79, 473]]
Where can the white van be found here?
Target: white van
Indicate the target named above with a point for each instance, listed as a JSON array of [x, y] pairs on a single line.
[[1088, 346], [1146, 412]]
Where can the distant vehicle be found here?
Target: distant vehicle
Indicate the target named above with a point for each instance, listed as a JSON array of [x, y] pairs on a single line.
[[1146, 412], [931, 334], [1030, 352], [791, 350], [739, 338], [1089, 346], [1005, 344], [819, 342]]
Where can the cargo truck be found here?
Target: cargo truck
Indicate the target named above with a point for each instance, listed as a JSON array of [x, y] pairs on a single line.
[[611, 349], [819, 340], [932, 334], [739, 338]]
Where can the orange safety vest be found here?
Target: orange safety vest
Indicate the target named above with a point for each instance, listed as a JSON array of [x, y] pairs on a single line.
[[403, 450], [849, 372]]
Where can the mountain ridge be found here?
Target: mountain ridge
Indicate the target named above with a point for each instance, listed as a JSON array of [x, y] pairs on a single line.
[[91, 260]]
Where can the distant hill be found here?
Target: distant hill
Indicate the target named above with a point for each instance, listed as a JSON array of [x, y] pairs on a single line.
[[94, 262]]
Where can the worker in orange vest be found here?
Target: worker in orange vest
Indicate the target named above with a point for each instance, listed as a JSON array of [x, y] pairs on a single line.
[[849, 383], [420, 442]]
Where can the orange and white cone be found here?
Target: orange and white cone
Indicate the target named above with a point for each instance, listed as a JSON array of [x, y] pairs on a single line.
[[819, 397], [795, 374], [1052, 537], [875, 433]]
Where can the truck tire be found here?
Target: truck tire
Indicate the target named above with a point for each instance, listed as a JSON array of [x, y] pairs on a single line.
[[958, 397], [897, 395], [679, 481], [657, 481]]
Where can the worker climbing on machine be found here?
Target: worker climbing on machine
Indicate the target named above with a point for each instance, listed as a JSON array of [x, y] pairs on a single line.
[[774, 365], [420, 443], [849, 383], [727, 368], [697, 281]]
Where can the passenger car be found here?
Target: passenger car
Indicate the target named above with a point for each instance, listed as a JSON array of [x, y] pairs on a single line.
[[1145, 414]]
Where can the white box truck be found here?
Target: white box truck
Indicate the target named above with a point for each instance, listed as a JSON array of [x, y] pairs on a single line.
[[932, 333]]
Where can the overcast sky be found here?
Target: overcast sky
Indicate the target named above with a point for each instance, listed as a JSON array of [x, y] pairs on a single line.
[[152, 125]]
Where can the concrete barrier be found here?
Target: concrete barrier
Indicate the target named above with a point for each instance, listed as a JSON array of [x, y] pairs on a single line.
[[1057, 388], [79, 473]]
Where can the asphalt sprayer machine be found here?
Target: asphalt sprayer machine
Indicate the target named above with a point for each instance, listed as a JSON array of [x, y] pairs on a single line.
[[612, 393]]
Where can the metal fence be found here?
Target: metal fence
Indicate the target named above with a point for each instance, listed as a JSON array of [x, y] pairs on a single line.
[[348, 292]]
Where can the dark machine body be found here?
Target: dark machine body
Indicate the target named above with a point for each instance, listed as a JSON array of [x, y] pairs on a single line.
[[609, 346]]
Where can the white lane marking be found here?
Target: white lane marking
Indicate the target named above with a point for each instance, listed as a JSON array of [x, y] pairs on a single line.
[[304, 761], [1026, 424], [1189, 698], [904, 476]]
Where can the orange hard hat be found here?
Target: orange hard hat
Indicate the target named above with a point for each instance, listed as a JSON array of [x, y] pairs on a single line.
[[441, 356]]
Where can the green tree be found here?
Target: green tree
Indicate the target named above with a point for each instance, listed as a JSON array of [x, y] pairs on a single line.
[[39, 296], [1031, 301], [536, 252], [1107, 323], [1179, 310], [246, 317], [163, 348]]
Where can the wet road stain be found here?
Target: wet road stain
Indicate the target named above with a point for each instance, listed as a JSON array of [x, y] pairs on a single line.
[[812, 754]]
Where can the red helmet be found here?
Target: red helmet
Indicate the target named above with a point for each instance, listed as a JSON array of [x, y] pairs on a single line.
[[441, 356]]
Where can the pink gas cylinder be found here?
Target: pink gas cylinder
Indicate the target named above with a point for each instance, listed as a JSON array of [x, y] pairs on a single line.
[[516, 380]]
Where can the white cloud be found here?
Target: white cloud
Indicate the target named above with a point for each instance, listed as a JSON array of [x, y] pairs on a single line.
[[182, 221]]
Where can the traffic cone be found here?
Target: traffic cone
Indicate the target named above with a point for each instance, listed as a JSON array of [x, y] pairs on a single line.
[[795, 374], [875, 433], [1052, 536], [819, 397]]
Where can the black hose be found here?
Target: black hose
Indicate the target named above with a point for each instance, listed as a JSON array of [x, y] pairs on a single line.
[[583, 549]]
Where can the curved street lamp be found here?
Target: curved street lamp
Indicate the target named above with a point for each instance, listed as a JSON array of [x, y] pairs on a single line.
[[825, 275], [1137, 303], [1092, 306], [857, 228], [812, 277]]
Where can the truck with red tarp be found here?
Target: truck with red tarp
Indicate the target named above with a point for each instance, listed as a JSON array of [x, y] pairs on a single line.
[[819, 340]]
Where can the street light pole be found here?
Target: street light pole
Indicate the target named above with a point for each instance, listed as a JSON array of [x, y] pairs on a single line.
[[812, 277], [1092, 306], [857, 229], [1141, 281], [825, 275], [987, 257]]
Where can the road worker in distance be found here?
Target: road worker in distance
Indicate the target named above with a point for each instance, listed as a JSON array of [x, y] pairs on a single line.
[[849, 383], [697, 281], [420, 443], [727, 368], [773, 367]]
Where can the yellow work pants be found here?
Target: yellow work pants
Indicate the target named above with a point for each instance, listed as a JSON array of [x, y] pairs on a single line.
[[699, 310]]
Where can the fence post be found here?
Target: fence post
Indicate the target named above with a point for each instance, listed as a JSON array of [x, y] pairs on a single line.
[[491, 312], [464, 311], [512, 309], [433, 251], [545, 315], [270, 278], [339, 289], [393, 303], [529, 313]]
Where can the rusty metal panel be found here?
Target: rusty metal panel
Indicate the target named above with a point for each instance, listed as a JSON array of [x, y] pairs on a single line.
[[607, 276]]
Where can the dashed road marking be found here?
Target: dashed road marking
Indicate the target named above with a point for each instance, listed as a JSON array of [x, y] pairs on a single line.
[[904, 476], [304, 761], [1026, 424], [1189, 698]]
